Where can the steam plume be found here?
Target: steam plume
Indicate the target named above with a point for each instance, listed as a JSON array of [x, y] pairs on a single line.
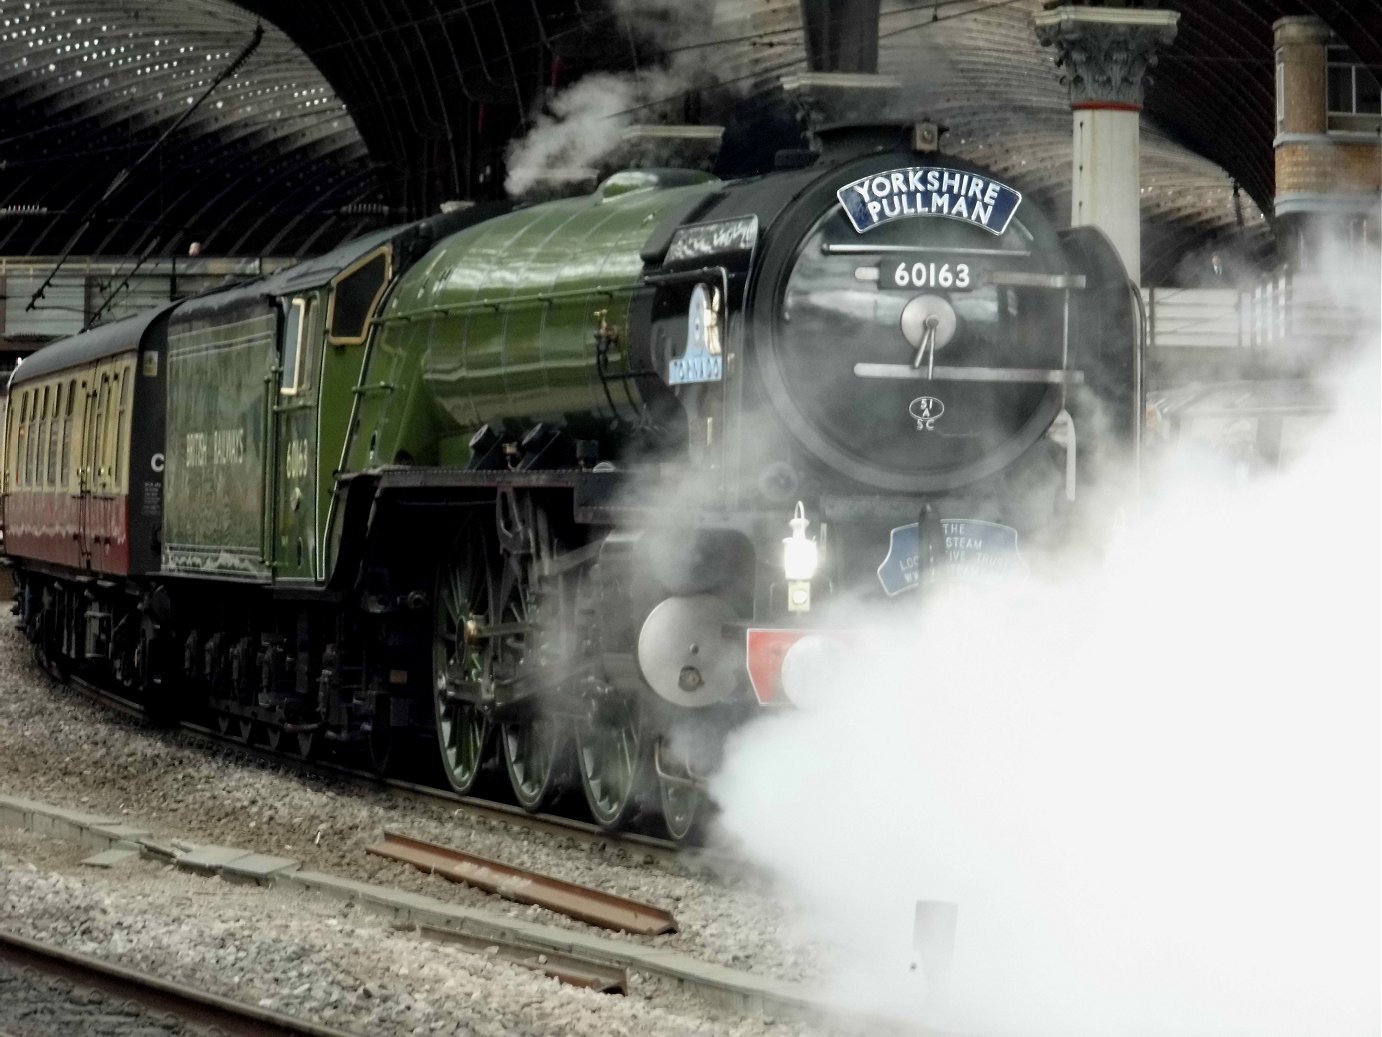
[[1153, 792], [582, 124]]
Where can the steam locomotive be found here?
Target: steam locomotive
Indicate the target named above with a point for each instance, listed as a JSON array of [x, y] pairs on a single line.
[[564, 488]]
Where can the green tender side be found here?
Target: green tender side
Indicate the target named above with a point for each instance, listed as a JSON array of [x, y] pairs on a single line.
[[219, 384], [497, 325]]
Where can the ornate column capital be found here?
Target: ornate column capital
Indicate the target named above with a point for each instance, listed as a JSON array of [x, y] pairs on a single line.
[[1302, 29], [1105, 51]]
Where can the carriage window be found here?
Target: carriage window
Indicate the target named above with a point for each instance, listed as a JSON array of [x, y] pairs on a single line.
[[50, 466], [66, 463], [35, 430], [29, 399], [31, 442], [120, 423], [35, 427], [21, 436], [292, 347], [36, 440], [112, 417], [37, 457], [99, 425], [41, 446], [113, 440], [11, 422], [54, 439]]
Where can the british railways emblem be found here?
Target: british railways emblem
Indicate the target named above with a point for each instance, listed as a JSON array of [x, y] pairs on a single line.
[[927, 410]]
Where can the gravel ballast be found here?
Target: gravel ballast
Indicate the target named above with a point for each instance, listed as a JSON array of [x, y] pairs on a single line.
[[287, 946]]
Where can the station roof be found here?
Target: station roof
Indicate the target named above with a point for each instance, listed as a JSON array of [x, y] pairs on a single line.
[[351, 114]]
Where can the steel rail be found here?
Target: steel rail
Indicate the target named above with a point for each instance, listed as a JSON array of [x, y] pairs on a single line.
[[655, 850], [582, 903], [634, 843], [570, 969], [106, 698], [160, 995]]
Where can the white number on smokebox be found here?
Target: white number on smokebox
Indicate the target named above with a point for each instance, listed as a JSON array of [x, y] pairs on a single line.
[[930, 275]]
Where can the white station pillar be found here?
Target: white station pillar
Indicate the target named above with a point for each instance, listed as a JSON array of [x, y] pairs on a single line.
[[1106, 52]]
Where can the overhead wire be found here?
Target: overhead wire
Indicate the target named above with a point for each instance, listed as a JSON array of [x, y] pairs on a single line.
[[934, 8], [464, 10], [124, 174], [380, 101]]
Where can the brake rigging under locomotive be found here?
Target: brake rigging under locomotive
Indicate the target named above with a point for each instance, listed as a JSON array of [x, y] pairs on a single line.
[[559, 487]]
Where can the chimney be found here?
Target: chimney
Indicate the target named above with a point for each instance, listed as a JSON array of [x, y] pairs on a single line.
[[668, 146]]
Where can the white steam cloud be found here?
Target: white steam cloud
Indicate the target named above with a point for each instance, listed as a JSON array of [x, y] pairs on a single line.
[[1153, 792], [661, 20], [579, 127], [582, 124]]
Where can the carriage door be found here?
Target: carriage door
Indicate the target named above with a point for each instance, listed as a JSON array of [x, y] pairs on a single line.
[[94, 391], [295, 420]]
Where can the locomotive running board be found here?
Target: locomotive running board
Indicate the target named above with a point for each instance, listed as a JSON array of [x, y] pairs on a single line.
[[971, 374]]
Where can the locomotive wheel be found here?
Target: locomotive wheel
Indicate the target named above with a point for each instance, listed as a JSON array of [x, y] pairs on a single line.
[[48, 640], [533, 750], [193, 659], [535, 740], [124, 661], [152, 667], [464, 591], [682, 809], [301, 744], [51, 663], [683, 803], [306, 742], [240, 729], [379, 743], [611, 754]]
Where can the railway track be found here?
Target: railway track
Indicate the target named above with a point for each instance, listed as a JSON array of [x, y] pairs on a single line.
[[592, 906], [603, 962], [47, 987], [651, 849]]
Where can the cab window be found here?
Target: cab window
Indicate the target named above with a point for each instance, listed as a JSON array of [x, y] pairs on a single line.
[[294, 330]]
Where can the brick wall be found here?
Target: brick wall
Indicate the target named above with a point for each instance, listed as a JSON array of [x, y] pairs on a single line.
[[1300, 57], [1322, 166], [1328, 167]]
